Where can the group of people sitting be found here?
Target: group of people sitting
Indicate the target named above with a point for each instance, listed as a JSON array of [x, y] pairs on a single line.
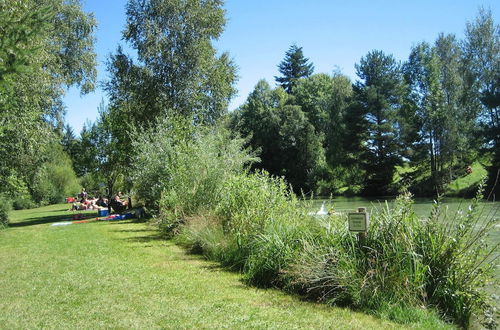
[[86, 203]]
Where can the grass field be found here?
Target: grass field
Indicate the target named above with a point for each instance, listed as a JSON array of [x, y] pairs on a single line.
[[122, 275]]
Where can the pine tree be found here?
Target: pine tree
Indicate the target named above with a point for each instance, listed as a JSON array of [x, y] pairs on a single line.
[[293, 67], [378, 93]]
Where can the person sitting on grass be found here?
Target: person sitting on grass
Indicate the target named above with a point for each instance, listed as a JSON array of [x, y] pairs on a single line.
[[119, 200], [118, 204], [102, 202]]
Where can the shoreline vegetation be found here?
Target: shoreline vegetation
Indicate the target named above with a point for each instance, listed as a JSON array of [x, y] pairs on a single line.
[[406, 270]]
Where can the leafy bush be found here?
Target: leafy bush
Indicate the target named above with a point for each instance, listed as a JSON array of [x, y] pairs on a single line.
[[199, 170], [251, 201], [5, 207], [23, 203], [204, 235], [458, 260], [185, 166], [155, 151], [55, 179]]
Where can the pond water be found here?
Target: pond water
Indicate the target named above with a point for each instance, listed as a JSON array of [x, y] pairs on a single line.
[[422, 206]]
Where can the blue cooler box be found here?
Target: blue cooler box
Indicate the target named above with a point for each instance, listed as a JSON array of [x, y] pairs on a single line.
[[102, 212]]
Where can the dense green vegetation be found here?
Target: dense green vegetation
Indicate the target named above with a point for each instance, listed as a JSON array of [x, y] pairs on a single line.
[[45, 47], [253, 223], [436, 113], [226, 184]]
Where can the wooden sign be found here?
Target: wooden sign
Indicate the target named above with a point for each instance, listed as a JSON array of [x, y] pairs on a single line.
[[358, 222]]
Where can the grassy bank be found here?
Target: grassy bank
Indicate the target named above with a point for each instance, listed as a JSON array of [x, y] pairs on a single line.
[[122, 275], [464, 185], [467, 184]]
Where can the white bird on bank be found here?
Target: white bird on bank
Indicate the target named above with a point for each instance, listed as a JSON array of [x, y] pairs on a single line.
[[322, 210]]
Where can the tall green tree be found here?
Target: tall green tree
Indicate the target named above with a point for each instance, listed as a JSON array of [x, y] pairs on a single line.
[[287, 142], [177, 69], [293, 67], [379, 94], [46, 46], [481, 55], [325, 100], [444, 143]]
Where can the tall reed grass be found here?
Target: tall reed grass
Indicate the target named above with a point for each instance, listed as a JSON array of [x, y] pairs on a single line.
[[407, 269]]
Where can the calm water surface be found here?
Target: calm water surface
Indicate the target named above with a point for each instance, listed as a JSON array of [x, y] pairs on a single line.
[[422, 206]]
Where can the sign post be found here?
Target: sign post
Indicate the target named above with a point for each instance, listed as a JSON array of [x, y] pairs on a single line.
[[359, 223]]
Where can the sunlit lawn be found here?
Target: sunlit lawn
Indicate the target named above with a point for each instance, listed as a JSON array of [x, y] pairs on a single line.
[[121, 275]]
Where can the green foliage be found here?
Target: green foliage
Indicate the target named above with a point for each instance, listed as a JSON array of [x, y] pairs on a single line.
[[22, 203], [55, 180], [5, 207], [459, 261], [326, 100], [445, 122], [167, 158], [403, 261], [19, 28], [252, 201], [45, 47], [177, 72], [293, 67], [173, 40], [379, 96], [481, 57], [287, 142]]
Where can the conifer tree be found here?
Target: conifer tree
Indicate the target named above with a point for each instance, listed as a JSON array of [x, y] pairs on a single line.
[[293, 67], [378, 94]]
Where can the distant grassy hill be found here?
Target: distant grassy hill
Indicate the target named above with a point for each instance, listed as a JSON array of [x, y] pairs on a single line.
[[467, 184], [418, 181]]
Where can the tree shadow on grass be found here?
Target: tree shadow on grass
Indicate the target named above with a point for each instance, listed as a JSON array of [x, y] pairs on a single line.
[[68, 209], [145, 239], [41, 220], [135, 230]]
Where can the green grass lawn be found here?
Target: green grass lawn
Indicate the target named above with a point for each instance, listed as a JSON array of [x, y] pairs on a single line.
[[122, 275], [468, 182]]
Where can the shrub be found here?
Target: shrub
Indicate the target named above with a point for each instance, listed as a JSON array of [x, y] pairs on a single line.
[[458, 260], [5, 207], [199, 170], [272, 252], [55, 179], [257, 227], [185, 166], [23, 203], [251, 201], [204, 235]]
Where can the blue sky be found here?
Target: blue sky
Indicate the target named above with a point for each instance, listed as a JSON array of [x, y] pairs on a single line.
[[334, 35]]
